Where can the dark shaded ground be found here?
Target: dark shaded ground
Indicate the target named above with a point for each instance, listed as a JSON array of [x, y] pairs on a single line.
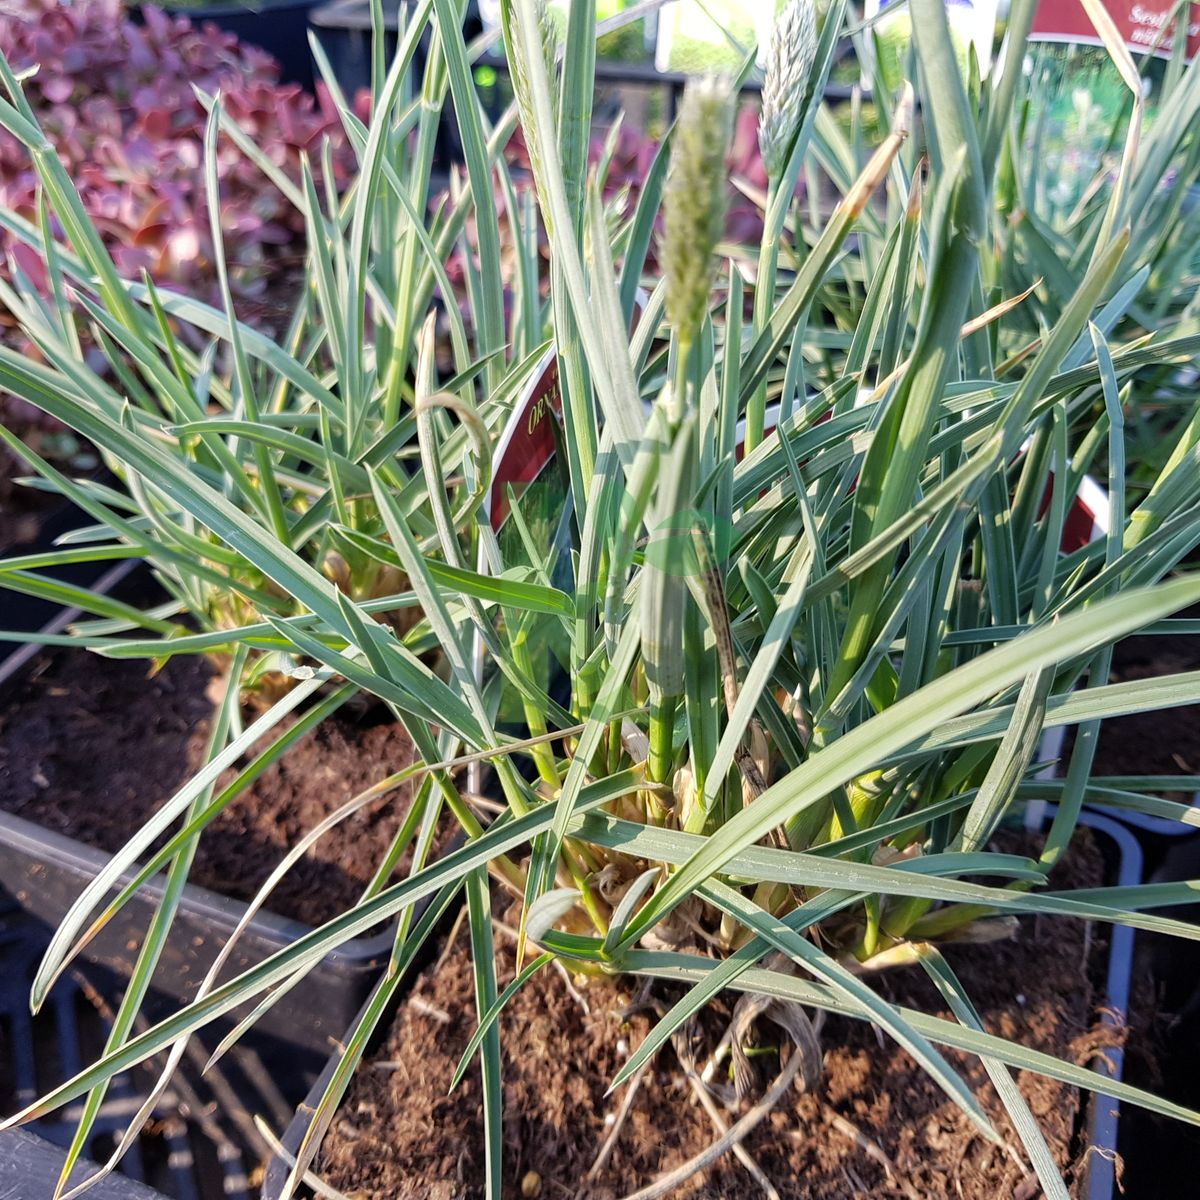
[[1164, 1048]]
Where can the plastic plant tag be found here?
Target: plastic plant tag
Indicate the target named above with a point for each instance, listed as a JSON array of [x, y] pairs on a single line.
[[525, 460], [1145, 25], [1081, 104], [529, 473], [1087, 519]]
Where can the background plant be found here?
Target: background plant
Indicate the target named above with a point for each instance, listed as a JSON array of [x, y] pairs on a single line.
[[805, 685], [117, 101]]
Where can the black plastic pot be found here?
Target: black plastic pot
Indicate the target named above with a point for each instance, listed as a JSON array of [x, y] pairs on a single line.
[[1149, 828], [279, 1166], [1104, 1114], [41, 873], [29, 1168], [31, 614], [1151, 1147], [1103, 1111], [280, 27], [343, 28], [44, 872], [344, 31], [186, 1152]]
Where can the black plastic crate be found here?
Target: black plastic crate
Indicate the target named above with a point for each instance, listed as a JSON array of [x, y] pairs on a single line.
[[185, 1151]]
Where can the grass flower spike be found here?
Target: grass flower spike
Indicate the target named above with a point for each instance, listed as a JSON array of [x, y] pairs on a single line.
[[694, 202], [789, 72], [522, 88], [791, 89]]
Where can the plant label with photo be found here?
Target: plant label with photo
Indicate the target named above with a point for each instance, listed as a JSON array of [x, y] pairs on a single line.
[[1147, 26], [526, 454], [1080, 101]]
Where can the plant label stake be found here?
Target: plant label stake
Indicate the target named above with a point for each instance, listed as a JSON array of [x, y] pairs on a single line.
[[528, 448], [1086, 521], [1146, 26], [1079, 101]]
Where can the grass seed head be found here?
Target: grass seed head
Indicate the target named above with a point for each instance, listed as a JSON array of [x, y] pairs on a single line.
[[694, 200], [787, 82], [523, 88]]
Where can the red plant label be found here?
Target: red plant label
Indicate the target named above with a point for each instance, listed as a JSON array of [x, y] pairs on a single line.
[[1146, 25], [531, 442]]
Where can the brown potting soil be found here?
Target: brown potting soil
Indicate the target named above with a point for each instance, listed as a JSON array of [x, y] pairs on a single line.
[[876, 1125], [90, 747]]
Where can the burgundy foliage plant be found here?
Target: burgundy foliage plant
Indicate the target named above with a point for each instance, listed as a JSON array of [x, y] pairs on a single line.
[[116, 99]]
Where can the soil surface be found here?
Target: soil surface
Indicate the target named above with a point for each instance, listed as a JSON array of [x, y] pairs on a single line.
[[90, 747], [876, 1126]]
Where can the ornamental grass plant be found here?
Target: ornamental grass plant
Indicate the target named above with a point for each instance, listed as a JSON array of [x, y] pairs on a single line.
[[287, 430], [818, 620]]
